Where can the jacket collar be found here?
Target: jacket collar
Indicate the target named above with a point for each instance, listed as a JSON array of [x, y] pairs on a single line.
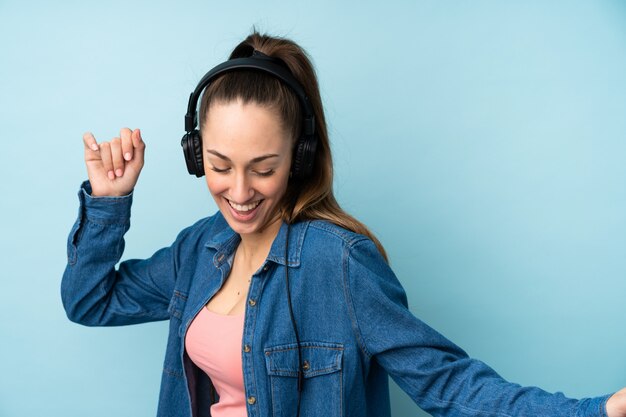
[[225, 242]]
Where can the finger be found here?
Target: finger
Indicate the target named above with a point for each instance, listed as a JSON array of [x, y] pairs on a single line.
[[127, 143], [116, 155], [139, 147], [90, 142], [107, 160]]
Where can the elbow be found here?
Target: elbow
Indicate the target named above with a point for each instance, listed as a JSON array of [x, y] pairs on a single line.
[[79, 316], [75, 306], [73, 311]]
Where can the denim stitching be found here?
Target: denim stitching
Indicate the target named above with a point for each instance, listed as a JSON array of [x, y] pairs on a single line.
[[75, 235], [340, 392], [100, 221], [463, 408], [178, 374], [274, 410], [350, 303], [348, 237], [310, 345], [180, 294], [310, 374], [172, 309], [602, 407]]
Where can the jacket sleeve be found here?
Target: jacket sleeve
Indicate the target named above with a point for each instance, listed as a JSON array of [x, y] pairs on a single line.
[[93, 292], [438, 375]]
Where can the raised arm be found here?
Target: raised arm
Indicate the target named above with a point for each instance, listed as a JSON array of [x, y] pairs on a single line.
[[93, 291]]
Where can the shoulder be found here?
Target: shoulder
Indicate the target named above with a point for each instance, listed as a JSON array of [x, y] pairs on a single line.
[[325, 232], [362, 266], [204, 230], [323, 229], [336, 241]]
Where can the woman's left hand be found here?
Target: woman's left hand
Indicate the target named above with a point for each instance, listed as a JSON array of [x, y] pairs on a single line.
[[616, 405]]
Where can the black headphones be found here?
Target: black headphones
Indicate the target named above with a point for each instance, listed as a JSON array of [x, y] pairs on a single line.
[[304, 151]]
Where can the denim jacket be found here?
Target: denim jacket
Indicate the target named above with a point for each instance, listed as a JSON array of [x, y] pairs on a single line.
[[351, 312]]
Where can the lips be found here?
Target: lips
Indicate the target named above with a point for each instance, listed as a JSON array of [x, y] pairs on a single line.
[[244, 212], [244, 207]]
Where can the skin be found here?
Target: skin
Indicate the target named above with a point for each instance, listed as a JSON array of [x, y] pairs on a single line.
[[242, 134], [114, 167], [247, 159], [616, 405]]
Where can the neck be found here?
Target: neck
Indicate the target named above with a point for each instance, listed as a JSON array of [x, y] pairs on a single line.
[[254, 247]]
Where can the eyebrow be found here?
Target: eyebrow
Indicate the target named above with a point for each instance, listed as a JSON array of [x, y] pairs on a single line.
[[252, 161]]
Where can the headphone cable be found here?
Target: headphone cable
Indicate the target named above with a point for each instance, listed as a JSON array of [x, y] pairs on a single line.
[[293, 322]]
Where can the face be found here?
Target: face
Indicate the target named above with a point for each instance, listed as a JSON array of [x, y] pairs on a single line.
[[247, 159]]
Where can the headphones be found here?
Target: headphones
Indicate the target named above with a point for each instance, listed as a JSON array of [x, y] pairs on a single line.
[[304, 151]]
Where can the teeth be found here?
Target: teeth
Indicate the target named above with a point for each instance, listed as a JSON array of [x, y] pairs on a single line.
[[245, 207]]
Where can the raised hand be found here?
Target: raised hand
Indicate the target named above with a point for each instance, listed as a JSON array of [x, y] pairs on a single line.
[[114, 167]]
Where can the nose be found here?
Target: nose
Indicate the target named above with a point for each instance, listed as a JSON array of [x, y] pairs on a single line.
[[241, 190]]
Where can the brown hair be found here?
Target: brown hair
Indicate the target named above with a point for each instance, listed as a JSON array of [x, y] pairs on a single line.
[[313, 197]]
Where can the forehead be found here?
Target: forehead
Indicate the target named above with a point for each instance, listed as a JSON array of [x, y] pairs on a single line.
[[246, 129]]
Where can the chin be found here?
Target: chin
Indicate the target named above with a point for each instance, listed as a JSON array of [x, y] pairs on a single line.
[[242, 229], [257, 224]]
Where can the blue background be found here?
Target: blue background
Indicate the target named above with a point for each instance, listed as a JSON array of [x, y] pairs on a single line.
[[484, 143]]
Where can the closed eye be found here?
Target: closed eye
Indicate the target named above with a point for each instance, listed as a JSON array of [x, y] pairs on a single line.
[[220, 170], [265, 173]]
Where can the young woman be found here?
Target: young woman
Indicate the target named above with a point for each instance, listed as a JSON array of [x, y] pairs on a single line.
[[280, 304]]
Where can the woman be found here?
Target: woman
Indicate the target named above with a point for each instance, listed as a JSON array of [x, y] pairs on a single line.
[[280, 304]]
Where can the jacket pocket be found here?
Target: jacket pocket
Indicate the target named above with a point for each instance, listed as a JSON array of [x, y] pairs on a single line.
[[323, 378]]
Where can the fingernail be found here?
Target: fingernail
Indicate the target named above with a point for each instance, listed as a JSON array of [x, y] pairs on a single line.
[[127, 156], [118, 172], [94, 146], [111, 175]]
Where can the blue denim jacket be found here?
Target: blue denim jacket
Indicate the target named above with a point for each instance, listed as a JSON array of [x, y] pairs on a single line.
[[351, 311]]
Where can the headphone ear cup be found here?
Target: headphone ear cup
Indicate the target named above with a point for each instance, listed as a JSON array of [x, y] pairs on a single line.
[[192, 150], [304, 157]]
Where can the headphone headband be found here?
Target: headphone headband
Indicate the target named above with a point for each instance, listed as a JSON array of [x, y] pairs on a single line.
[[261, 62], [306, 144]]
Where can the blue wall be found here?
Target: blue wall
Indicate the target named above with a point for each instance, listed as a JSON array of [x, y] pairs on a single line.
[[484, 142]]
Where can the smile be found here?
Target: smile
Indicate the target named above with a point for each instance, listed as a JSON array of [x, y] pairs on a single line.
[[244, 207]]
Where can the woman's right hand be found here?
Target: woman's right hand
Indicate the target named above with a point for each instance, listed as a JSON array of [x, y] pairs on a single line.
[[113, 167]]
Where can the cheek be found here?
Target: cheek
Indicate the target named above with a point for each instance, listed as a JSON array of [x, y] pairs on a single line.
[[277, 189], [215, 185], [270, 189]]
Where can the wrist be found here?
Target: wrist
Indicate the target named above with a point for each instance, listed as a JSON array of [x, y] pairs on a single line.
[[97, 193]]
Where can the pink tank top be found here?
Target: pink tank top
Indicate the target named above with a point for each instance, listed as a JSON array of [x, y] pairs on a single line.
[[213, 342]]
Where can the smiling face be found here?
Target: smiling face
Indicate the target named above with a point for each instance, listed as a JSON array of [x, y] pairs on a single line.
[[247, 159]]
